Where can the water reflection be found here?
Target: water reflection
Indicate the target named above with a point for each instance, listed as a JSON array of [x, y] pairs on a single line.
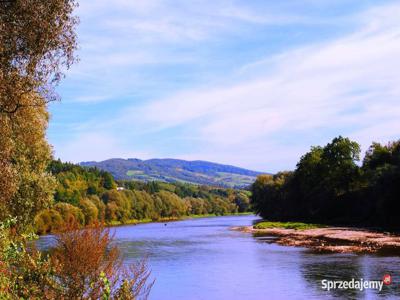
[[315, 268], [203, 259]]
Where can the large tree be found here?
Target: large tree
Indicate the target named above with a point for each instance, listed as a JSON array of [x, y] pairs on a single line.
[[37, 41]]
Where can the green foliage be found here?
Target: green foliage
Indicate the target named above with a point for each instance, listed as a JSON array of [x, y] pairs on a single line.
[[118, 205], [89, 210], [70, 213], [286, 225], [328, 186], [381, 173], [170, 205], [48, 220], [86, 195], [34, 50], [76, 182], [24, 273]]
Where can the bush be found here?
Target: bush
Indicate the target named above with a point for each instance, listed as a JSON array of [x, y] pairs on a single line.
[[83, 265], [88, 266]]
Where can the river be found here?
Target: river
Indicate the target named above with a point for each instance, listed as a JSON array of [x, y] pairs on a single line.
[[203, 259]]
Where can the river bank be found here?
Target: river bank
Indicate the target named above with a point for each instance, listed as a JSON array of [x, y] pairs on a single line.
[[331, 239], [170, 219]]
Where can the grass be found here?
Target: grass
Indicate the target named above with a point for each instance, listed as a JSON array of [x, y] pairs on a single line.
[[286, 225]]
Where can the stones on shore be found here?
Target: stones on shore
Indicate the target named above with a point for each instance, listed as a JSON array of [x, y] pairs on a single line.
[[331, 239]]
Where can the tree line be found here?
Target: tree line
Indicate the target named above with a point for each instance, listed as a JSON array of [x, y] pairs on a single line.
[[88, 195], [331, 185]]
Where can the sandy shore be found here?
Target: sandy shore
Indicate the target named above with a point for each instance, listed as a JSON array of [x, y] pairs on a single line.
[[332, 239]]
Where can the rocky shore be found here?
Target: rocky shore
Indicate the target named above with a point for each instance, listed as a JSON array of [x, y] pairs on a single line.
[[332, 239]]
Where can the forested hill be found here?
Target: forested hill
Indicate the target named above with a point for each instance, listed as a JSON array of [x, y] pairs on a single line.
[[174, 170]]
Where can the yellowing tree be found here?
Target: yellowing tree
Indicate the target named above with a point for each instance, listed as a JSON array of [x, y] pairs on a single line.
[[37, 41]]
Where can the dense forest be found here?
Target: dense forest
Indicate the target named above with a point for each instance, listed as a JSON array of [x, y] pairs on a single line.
[[331, 186], [88, 195]]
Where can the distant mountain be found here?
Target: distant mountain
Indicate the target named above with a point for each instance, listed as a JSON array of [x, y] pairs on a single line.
[[172, 170]]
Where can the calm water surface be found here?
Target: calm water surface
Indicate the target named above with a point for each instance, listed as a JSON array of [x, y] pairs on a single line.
[[204, 259]]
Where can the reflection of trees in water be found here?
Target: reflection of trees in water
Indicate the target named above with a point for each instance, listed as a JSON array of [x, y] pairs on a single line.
[[314, 268], [375, 267]]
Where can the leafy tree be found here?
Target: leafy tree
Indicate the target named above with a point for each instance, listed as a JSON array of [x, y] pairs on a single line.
[[268, 196], [101, 208], [81, 195], [108, 180], [89, 210], [328, 186], [70, 213], [48, 220], [242, 202], [118, 206], [381, 168], [37, 41]]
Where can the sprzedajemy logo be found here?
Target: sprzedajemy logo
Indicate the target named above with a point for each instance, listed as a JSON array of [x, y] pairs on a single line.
[[356, 284]]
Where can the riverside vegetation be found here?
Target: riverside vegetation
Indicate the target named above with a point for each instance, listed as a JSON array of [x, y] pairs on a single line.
[[89, 195], [329, 186], [37, 42]]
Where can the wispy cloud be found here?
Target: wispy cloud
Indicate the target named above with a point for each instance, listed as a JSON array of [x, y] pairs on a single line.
[[260, 112], [339, 87]]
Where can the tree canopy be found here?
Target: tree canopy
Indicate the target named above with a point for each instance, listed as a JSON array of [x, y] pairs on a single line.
[[329, 186], [37, 42]]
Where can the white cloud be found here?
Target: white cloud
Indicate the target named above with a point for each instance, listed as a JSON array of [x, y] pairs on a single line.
[[348, 86], [264, 116]]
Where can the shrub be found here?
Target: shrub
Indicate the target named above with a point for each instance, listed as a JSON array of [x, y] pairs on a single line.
[[89, 266], [83, 265]]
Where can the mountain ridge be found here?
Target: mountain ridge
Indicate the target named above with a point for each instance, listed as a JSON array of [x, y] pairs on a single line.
[[176, 170]]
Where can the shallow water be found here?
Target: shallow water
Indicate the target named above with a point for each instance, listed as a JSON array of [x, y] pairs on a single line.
[[204, 259]]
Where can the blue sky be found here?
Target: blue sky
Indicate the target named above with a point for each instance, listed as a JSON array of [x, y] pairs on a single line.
[[247, 83]]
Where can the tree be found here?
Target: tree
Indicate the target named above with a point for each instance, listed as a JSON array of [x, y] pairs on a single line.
[[242, 201], [324, 176], [338, 164], [108, 181], [37, 41], [381, 168], [268, 196], [89, 210]]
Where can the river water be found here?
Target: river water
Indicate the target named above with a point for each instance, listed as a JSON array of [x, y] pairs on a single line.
[[203, 259]]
